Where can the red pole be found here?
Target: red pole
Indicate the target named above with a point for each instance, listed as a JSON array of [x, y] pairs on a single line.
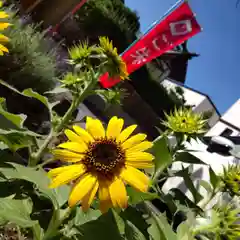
[[72, 12]]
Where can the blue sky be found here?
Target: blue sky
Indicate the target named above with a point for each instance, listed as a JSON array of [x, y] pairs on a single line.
[[217, 71]]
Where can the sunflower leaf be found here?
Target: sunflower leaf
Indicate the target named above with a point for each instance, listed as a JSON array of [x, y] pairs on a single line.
[[16, 211], [135, 216], [187, 157], [160, 228], [214, 179], [38, 177], [105, 227], [11, 121], [189, 184], [162, 154], [82, 217], [30, 93], [132, 232], [136, 197], [183, 232]]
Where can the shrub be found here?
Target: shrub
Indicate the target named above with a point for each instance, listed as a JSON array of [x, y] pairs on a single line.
[[30, 62]]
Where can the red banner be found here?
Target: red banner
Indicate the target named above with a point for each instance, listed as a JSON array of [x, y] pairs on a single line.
[[176, 28]]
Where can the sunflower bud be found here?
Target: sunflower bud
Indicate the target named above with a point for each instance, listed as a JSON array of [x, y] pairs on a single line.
[[185, 121], [114, 64], [231, 180], [222, 224], [85, 57]]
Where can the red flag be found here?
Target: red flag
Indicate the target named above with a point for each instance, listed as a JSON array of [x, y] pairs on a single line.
[[176, 28]]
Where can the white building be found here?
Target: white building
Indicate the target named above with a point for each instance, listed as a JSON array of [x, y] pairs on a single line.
[[229, 123], [214, 151]]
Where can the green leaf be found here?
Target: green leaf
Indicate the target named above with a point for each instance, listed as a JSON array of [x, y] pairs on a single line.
[[105, 227], [189, 184], [10, 87], [119, 221], [206, 185], [11, 121], [16, 211], [160, 228], [179, 196], [132, 232], [135, 216], [82, 217], [15, 139], [136, 197], [3, 146], [30, 93], [187, 157], [38, 177], [162, 154], [183, 232], [214, 179], [57, 90]]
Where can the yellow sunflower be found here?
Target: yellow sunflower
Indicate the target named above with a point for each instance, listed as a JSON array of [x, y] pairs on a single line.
[[102, 162], [115, 66], [3, 25]]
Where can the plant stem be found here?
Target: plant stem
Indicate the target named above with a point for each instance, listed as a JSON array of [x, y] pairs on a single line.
[[35, 157], [209, 199], [75, 104], [56, 222], [67, 115]]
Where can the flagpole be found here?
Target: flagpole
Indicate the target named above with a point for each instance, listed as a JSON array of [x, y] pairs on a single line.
[[154, 23]]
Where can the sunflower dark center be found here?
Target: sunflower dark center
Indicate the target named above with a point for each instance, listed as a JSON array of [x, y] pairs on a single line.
[[104, 157]]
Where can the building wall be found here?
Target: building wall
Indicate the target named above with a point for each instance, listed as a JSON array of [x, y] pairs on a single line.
[[232, 115], [52, 12], [230, 120], [206, 106], [218, 129]]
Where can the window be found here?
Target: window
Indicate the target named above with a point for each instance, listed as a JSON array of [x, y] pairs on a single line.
[[226, 133]]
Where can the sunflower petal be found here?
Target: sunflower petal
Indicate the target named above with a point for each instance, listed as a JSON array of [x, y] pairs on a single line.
[[56, 171], [67, 156], [135, 178], [4, 26], [3, 49], [74, 146], [3, 14], [114, 128], [73, 136], [140, 164], [141, 147], [87, 200], [118, 193], [3, 38], [134, 140], [126, 133], [86, 137], [81, 189], [69, 174], [104, 196], [95, 128], [139, 156]]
